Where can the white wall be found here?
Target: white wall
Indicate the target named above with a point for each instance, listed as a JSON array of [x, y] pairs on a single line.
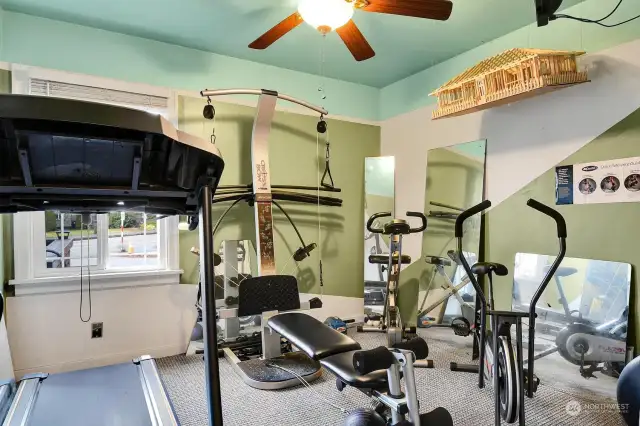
[[523, 139], [46, 334]]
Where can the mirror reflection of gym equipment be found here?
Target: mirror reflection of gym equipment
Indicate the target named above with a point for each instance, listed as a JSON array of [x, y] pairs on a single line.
[[390, 320], [581, 328], [379, 180], [455, 181]]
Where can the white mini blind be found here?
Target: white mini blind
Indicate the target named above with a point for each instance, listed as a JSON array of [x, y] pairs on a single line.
[[58, 89]]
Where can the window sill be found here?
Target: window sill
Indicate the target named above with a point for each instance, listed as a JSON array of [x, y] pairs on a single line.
[[99, 281]]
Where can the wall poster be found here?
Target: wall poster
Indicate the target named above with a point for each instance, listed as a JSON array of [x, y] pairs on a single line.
[[611, 181]]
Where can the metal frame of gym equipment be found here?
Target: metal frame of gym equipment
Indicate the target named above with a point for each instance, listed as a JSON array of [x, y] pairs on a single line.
[[511, 381], [391, 320], [460, 325], [151, 167], [261, 195]]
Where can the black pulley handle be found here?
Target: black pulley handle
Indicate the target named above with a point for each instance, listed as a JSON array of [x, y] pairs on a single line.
[[554, 214], [373, 218], [422, 217]]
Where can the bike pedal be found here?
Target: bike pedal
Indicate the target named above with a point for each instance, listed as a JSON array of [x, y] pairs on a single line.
[[536, 380]]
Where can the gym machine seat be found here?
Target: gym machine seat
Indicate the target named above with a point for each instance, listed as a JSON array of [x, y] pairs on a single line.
[[484, 268], [335, 351], [268, 296], [563, 271]]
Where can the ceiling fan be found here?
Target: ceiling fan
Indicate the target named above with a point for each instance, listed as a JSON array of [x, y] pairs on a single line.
[[328, 15]]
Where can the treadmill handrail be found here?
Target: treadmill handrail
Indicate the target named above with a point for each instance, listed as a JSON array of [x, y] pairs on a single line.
[[258, 92]]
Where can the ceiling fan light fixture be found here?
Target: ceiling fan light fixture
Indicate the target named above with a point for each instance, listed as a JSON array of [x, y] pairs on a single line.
[[326, 15]]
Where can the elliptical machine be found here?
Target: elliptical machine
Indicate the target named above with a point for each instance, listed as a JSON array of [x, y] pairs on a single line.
[[499, 361], [390, 321]]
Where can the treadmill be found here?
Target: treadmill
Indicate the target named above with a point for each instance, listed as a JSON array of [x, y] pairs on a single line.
[[81, 157]]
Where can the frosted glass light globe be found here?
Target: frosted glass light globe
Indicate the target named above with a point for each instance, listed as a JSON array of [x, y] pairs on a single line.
[[325, 13]]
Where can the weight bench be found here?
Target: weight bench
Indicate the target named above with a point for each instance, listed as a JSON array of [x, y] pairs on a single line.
[[375, 372], [267, 296]]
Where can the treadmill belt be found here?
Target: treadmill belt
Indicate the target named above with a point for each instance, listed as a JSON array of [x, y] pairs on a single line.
[[105, 396]]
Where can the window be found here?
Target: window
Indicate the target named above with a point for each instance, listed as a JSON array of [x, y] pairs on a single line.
[[133, 240], [70, 240], [53, 249]]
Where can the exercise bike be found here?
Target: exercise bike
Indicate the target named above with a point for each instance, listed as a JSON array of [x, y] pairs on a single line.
[[460, 325], [390, 321], [594, 348], [499, 361]]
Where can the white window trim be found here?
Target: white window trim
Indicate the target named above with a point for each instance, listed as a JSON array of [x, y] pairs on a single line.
[[29, 227], [99, 281], [31, 275]]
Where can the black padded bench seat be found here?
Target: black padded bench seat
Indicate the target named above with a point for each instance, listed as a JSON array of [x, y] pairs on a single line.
[[341, 365], [314, 338], [333, 349]]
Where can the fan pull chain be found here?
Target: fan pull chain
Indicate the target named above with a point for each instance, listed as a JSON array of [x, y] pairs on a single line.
[[321, 88]]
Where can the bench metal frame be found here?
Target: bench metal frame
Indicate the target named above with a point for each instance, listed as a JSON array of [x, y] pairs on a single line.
[[271, 348]]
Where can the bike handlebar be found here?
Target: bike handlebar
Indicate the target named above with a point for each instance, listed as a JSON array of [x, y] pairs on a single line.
[[373, 218], [422, 217], [468, 213], [554, 214]]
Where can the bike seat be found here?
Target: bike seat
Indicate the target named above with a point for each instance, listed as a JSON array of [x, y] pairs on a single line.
[[437, 260], [563, 271], [483, 268], [383, 259]]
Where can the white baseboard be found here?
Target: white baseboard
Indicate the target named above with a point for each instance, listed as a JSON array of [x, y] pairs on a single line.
[[336, 306], [109, 359]]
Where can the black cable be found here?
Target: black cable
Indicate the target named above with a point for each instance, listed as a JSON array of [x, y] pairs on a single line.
[[247, 197], [81, 270], [291, 222], [612, 12], [215, 228], [598, 21]]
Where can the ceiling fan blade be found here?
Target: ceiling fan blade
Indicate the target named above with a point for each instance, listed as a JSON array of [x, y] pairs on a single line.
[[429, 9], [355, 41], [271, 36]]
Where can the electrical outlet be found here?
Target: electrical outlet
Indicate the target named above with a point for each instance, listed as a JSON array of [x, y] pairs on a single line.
[[96, 330]]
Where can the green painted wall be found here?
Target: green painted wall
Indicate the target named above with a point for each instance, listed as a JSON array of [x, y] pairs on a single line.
[[597, 231], [5, 81], [31, 40], [6, 255], [453, 179], [413, 92], [294, 157]]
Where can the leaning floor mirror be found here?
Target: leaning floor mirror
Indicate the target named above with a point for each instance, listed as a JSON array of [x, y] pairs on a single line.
[[237, 261], [455, 182], [582, 318], [379, 182]]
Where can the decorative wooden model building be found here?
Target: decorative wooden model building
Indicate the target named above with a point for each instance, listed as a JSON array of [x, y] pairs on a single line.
[[508, 77]]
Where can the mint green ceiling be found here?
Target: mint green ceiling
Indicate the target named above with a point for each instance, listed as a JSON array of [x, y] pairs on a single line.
[[403, 45]]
